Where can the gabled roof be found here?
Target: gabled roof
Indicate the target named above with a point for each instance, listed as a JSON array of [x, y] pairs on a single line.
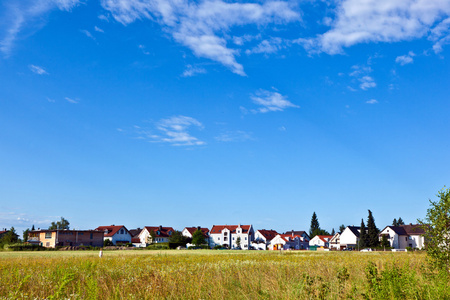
[[411, 229], [300, 232], [204, 231], [216, 229], [268, 234], [111, 230], [135, 232], [355, 230], [324, 238], [290, 237], [160, 231]]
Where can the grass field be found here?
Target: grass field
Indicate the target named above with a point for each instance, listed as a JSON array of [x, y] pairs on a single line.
[[208, 274]]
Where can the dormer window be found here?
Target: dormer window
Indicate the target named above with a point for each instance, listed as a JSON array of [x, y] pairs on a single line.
[[170, 232], [158, 232]]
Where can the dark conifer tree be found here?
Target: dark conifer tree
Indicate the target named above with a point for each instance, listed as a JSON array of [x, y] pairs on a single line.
[[372, 232], [315, 227], [332, 232], [395, 223], [362, 235], [400, 222]]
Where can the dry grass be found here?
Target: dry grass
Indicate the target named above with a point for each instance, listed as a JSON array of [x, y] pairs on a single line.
[[208, 274]]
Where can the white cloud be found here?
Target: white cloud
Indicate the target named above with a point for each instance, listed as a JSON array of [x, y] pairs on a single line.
[[142, 47], [200, 26], [88, 34], [271, 101], [38, 70], [98, 29], [234, 136], [367, 82], [20, 14], [362, 74], [70, 100], [367, 21], [269, 46], [174, 131], [192, 71], [372, 101], [405, 59]]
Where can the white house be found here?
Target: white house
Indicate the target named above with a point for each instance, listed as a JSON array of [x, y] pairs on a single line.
[[320, 241], [189, 232], [162, 234], [289, 242], [335, 241], [117, 234], [403, 236], [229, 235], [263, 238], [350, 237]]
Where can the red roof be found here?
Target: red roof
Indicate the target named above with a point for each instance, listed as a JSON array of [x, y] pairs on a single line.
[[218, 228], [3, 231], [289, 237], [204, 231], [268, 234], [110, 230], [160, 231], [324, 237]]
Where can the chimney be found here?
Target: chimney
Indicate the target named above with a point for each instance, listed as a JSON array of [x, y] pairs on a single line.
[[160, 227]]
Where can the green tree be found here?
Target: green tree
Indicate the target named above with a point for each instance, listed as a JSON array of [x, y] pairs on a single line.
[[198, 238], [342, 228], [25, 235], [437, 230], [177, 237], [333, 232], [10, 237], [61, 224], [152, 238], [238, 242], [372, 232], [384, 241], [400, 222], [107, 243], [314, 226], [395, 223], [362, 235]]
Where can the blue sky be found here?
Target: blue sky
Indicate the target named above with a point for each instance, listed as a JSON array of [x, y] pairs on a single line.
[[183, 113]]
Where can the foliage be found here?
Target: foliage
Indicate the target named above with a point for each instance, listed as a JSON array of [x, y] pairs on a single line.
[[24, 247], [107, 243], [394, 222], [178, 238], [314, 225], [61, 224], [372, 232], [362, 235], [342, 228], [400, 222], [385, 242], [158, 246], [437, 230], [198, 238], [25, 235], [152, 238], [320, 232], [10, 237], [333, 232], [238, 242]]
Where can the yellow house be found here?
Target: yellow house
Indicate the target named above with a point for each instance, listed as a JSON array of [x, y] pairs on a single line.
[[63, 238]]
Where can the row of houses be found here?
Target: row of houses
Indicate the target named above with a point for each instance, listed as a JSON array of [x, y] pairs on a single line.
[[228, 236]]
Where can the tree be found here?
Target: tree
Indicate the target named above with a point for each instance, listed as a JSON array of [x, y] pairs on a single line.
[[372, 231], [25, 235], [32, 228], [437, 230], [362, 235], [10, 237], [314, 226], [400, 222], [198, 238], [177, 237], [152, 238], [238, 242], [61, 224], [332, 232], [107, 243], [384, 241], [342, 228], [395, 223]]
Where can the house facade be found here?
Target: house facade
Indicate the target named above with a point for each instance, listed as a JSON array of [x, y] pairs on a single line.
[[335, 241], [229, 235], [321, 241], [189, 231], [63, 238], [117, 234], [350, 237], [289, 242], [262, 240], [403, 236], [161, 235]]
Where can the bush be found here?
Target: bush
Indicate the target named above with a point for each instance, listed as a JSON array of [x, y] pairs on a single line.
[[158, 246], [23, 247]]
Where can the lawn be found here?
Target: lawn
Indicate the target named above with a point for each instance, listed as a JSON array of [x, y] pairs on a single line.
[[209, 274]]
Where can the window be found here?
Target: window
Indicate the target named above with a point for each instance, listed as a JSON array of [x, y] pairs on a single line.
[[225, 233], [80, 233], [406, 238], [233, 238], [92, 235], [225, 238], [48, 235], [219, 238], [245, 238], [121, 231]]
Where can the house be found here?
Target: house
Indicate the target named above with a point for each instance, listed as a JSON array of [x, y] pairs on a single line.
[[3, 232], [301, 233], [350, 237], [117, 234], [289, 242], [56, 237], [161, 235], [189, 231], [321, 241], [135, 237], [263, 238], [335, 242], [230, 236], [403, 236]]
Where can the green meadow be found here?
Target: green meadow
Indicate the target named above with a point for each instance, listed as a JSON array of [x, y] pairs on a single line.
[[210, 274]]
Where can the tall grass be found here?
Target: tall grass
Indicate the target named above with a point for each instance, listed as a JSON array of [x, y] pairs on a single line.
[[219, 275]]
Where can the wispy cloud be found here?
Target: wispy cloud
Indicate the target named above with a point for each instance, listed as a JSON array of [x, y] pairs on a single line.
[[405, 59], [200, 26], [382, 21], [192, 71], [270, 101], [88, 34], [20, 14], [143, 49], [269, 46], [70, 100], [38, 70], [361, 73], [372, 101], [98, 29], [234, 136]]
